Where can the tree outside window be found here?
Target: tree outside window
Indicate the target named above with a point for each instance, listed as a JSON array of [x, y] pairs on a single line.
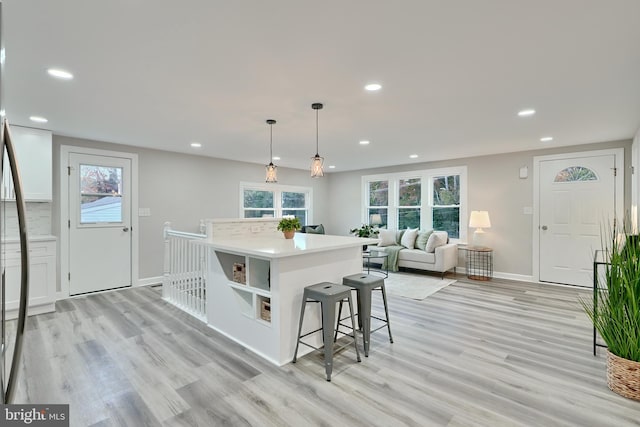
[[446, 204], [409, 202]]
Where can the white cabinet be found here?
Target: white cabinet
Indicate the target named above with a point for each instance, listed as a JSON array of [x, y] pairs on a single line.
[[33, 149], [42, 278]]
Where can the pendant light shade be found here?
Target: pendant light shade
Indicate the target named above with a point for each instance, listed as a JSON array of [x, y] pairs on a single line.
[[317, 161], [272, 172]]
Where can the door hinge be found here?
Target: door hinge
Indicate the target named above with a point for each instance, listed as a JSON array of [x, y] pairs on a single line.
[[69, 170], [615, 171], [69, 276], [69, 223]]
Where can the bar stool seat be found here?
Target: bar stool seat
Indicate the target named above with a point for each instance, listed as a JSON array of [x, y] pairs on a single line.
[[365, 284], [327, 294]]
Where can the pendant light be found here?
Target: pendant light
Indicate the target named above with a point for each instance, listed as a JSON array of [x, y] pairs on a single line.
[[272, 173], [317, 161]]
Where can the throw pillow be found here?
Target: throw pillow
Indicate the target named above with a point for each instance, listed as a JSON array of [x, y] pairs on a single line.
[[319, 229], [423, 237], [437, 239], [408, 239], [387, 238], [399, 235]]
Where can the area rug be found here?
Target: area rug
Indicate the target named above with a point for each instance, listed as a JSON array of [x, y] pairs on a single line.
[[414, 286]]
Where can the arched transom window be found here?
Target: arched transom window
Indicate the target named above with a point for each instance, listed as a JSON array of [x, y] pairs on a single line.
[[576, 173]]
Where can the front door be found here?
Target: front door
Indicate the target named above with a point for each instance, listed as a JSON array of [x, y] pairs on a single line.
[[99, 223], [577, 201]]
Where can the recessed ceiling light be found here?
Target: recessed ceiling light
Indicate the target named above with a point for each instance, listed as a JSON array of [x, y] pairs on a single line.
[[364, 142], [546, 139], [60, 74], [276, 158], [196, 145], [526, 113], [373, 86], [332, 166], [2, 113], [38, 119], [413, 156]]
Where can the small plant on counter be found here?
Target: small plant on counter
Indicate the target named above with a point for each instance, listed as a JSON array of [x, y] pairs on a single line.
[[289, 223]]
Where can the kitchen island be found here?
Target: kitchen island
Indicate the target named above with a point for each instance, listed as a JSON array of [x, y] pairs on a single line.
[[254, 286]]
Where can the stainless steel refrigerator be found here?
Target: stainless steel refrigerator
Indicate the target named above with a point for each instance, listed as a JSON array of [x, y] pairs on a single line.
[[13, 331]]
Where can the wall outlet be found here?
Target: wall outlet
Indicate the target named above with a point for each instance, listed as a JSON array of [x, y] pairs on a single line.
[[527, 210], [144, 211], [255, 228]]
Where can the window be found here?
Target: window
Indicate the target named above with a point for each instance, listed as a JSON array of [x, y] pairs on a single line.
[[445, 208], [576, 173], [100, 194], [409, 203], [377, 209], [263, 201], [419, 199]]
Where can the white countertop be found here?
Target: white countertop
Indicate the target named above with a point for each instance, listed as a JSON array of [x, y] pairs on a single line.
[[279, 247]]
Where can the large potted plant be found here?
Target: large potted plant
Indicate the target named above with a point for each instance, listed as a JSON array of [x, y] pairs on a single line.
[[288, 225], [615, 312]]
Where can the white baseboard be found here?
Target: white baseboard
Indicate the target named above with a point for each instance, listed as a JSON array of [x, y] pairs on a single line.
[[149, 281], [500, 275]]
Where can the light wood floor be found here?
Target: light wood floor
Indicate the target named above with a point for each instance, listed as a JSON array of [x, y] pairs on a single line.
[[486, 354]]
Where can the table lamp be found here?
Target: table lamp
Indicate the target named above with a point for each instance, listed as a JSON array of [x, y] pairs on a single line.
[[375, 219], [479, 220]]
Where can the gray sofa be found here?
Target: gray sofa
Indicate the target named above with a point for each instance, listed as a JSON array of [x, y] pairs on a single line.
[[443, 259]]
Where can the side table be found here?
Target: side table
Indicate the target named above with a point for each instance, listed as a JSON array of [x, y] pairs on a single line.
[[479, 262], [367, 256]]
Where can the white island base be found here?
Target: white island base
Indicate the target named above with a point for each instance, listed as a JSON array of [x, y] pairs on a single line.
[[276, 273]]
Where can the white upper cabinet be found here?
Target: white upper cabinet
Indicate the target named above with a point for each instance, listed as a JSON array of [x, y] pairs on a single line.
[[33, 150]]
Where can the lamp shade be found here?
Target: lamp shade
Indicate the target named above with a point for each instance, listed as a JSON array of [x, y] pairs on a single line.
[[479, 219], [375, 219]]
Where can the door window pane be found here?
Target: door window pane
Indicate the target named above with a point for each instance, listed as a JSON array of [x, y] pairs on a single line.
[[100, 194], [576, 173]]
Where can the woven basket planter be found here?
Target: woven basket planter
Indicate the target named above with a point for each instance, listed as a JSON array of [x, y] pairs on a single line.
[[623, 376]]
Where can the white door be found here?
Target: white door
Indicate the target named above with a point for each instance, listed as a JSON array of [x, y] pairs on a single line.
[[99, 223], [577, 199]]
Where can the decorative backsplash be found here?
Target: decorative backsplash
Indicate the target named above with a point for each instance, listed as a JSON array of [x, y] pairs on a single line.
[[38, 218], [245, 227]]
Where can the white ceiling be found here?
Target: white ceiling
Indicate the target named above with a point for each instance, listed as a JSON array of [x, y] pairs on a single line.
[[162, 74]]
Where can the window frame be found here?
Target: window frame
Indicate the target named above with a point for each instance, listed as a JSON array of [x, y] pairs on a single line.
[[426, 196], [277, 190]]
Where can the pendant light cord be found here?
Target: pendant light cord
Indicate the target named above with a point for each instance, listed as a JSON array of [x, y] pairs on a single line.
[[317, 151], [270, 143]]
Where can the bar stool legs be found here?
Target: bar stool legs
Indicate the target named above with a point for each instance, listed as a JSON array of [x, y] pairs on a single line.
[[364, 285], [328, 295]]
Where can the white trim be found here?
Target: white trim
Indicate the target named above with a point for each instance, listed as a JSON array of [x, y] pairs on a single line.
[[147, 281], [426, 195], [65, 151], [619, 198]]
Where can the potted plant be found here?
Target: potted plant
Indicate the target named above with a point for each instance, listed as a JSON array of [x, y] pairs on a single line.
[[615, 312], [365, 230], [288, 225]]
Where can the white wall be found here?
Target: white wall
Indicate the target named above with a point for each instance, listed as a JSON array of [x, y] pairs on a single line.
[[183, 189], [635, 182], [494, 186]]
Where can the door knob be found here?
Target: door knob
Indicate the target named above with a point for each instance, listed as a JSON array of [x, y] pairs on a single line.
[[125, 229], [544, 227]]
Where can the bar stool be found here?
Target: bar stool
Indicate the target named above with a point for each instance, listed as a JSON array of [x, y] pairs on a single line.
[[365, 284], [327, 294]]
